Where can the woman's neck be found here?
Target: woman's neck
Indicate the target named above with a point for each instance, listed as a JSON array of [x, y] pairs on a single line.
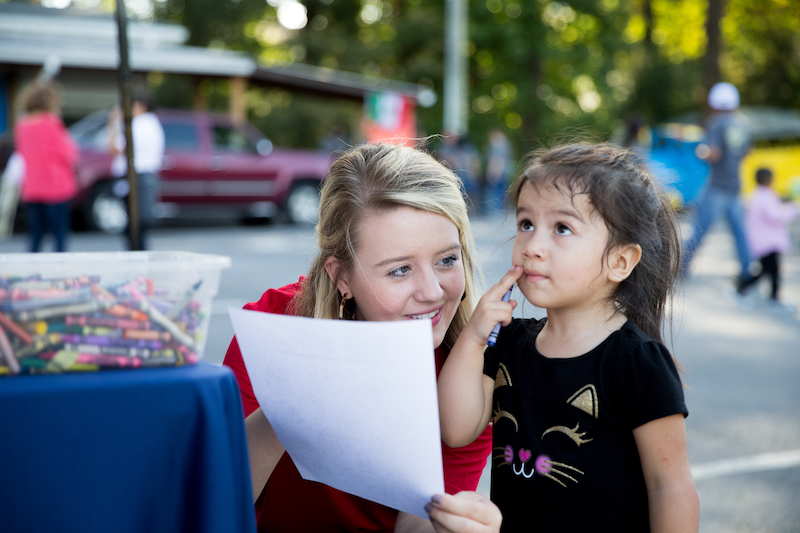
[[573, 333]]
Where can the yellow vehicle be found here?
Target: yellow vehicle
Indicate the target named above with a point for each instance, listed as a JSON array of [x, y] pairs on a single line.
[[671, 154], [776, 134]]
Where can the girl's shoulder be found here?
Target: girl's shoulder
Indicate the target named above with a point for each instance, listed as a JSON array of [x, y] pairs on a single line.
[[631, 349]]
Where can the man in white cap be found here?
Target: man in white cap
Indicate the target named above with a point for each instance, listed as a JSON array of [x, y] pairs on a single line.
[[729, 140]]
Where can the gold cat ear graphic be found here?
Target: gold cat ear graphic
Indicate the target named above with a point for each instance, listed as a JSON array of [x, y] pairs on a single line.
[[503, 377], [585, 400]]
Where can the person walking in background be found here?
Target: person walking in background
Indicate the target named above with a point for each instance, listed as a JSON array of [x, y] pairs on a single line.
[[148, 156], [499, 165], [767, 224], [50, 153], [729, 140], [464, 159]]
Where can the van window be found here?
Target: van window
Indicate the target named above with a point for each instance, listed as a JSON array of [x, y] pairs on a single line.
[[231, 140], [180, 137]]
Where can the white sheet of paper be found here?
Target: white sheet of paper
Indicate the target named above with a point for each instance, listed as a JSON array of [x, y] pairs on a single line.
[[354, 403]]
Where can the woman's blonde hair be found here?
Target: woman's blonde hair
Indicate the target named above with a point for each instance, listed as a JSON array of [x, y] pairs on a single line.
[[382, 177]]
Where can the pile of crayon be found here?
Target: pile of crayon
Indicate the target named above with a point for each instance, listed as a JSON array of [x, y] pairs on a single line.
[[78, 324]]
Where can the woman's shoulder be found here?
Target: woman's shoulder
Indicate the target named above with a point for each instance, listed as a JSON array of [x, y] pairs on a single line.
[[277, 300]]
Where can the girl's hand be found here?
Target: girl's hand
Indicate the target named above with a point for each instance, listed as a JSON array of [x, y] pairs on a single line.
[[491, 309], [466, 511]]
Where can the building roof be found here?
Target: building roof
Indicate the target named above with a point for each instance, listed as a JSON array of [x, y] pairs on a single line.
[[33, 35]]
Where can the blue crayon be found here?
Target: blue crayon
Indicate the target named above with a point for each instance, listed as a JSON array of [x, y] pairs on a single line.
[[496, 331]]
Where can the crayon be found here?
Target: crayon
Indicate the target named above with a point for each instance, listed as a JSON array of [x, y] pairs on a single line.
[[36, 328], [32, 362], [109, 360], [496, 331], [108, 350], [8, 353], [160, 360], [64, 361], [74, 297], [183, 301], [60, 327], [59, 310], [147, 335], [14, 328], [164, 322], [68, 358], [99, 340], [126, 312], [39, 344], [18, 294], [108, 322]]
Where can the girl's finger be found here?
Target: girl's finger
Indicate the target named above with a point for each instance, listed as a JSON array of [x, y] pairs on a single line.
[[508, 280]]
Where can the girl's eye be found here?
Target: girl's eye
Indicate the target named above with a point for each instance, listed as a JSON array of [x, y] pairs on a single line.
[[561, 229], [400, 272], [449, 261], [525, 225]]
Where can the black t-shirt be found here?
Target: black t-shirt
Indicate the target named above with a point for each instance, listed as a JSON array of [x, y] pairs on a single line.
[[564, 458]]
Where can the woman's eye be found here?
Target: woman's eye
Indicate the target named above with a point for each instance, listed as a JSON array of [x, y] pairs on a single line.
[[399, 272], [449, 261], [525, 225], [561, 229]]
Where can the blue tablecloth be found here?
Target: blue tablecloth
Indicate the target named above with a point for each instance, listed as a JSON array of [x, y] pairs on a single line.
[[145, 451]]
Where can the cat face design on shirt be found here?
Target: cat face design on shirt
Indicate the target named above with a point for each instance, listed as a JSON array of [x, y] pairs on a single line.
[[522, 461]]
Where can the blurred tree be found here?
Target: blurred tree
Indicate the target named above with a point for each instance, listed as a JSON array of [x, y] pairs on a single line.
[[538, 69], [763, 51]]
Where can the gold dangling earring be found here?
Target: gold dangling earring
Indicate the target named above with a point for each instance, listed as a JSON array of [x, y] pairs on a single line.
[[341, 307]]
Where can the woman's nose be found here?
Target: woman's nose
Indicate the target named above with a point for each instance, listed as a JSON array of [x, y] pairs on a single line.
[[429, 288]]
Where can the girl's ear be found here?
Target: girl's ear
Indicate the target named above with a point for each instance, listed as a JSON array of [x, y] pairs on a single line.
[[622, 260], [334, 270]]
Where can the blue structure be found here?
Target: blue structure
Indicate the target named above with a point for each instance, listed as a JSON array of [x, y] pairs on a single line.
[[673, 160]]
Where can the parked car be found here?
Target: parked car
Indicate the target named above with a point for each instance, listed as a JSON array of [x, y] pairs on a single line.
[[210, 161]]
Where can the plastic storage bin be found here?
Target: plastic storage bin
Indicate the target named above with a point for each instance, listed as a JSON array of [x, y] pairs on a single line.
[[93, 311]]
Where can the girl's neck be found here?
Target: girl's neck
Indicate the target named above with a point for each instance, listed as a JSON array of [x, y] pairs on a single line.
[[573, 333]]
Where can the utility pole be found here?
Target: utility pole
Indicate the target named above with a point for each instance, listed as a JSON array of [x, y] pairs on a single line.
[[125, 92], [456, 50]]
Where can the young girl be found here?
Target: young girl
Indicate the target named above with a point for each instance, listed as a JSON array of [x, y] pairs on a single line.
[[586, 404], [767, 226]]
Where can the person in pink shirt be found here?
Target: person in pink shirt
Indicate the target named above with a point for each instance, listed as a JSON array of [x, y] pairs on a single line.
[[767, 226], [49, 151]]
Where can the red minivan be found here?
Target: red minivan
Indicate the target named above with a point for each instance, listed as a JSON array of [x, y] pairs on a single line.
[[210, 162]]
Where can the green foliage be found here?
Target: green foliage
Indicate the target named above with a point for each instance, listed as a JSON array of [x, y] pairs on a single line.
[[538, 69]]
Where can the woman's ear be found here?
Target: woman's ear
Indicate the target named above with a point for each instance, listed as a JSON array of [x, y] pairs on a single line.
[[622, 260], [334, 270]]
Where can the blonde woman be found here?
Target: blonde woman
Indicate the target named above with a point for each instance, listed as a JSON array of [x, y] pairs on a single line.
[[395, 243]]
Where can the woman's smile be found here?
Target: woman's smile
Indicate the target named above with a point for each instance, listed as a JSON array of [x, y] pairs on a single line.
[[408, 267], [434, 315]]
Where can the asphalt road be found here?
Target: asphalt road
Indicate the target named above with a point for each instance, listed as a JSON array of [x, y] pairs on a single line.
[[742, 368]]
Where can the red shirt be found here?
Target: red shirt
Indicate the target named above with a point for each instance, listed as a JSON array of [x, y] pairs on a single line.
[[290, 503], [50, 154]]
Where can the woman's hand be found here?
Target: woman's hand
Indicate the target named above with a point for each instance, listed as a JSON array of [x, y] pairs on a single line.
[[466, 512]]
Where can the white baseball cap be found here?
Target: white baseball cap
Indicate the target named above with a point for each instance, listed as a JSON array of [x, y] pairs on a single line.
[[723, 97]]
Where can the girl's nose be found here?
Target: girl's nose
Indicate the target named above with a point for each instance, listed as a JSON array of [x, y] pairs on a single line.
[[536, 247], [429, 288]]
